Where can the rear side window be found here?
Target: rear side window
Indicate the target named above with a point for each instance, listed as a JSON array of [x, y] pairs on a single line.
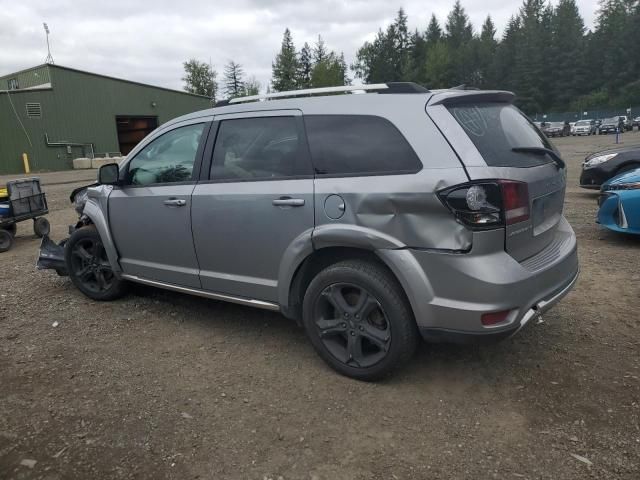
[[496, 128], [358, 145], [259, 149]]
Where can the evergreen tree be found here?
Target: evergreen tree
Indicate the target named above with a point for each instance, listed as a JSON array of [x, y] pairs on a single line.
[[387, 57], [285, 66], [458, 28], [567, 54], [319, 51], [305, 66], [233, 80], [434, 33], [252, 87], [344, 70], [487, 46], [462, 49], [200, 78], [532, 76], [330, 72]]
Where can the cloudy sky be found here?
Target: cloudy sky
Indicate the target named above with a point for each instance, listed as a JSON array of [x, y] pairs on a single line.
[[148, 41]]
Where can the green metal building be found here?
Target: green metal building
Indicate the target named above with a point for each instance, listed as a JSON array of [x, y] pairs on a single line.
[[56, 114]]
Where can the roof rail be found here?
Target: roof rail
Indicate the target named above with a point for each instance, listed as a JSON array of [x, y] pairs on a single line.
[[310, 91]]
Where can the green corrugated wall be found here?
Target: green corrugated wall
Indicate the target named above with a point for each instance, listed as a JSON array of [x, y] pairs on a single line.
[[80, 108], [27, 78]]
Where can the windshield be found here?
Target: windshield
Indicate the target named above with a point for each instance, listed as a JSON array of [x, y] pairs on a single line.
[[611, 120], [582, 123], [496, 129]]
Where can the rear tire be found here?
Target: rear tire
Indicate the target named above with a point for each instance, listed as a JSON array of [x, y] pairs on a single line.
[[41, 226], [358, 320], [6, 240], [89, 268]]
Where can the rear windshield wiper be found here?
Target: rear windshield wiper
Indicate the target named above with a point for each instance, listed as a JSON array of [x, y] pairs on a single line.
[[541, 151]]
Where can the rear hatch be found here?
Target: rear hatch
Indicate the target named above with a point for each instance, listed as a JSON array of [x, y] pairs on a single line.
[[495, 140]]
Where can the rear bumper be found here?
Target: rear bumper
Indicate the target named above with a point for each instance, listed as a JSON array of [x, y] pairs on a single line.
[[464, 337], [457, 289]]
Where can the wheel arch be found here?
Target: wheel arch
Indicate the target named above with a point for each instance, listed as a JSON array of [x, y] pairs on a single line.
[[626, 163], [316, 246], [97, 216]]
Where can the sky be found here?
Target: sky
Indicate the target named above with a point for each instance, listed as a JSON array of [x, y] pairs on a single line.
[[148, 41]]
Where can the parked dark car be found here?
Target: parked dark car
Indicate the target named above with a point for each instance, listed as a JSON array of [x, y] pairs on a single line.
[[599, 167], [609, 125], [556, 129]]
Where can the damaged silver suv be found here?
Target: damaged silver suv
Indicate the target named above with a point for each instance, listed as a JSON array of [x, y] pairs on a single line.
[[373, 218]]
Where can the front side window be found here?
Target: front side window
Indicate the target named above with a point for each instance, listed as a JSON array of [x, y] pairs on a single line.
[[167, 159], [258, 149], [358, 145]]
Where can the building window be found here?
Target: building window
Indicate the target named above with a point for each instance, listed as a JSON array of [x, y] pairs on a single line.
[[34, 110], [13, 84]]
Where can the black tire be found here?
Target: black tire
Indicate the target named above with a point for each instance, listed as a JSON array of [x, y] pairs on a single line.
[[41, 226], [6, 240], [89, 268], [359, 320], [13, 228]]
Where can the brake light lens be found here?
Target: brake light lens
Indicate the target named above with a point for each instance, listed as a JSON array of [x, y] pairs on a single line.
[[515, 198], [488, 204]]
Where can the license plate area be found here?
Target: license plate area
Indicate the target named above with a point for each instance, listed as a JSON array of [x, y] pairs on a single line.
[[547, 211]]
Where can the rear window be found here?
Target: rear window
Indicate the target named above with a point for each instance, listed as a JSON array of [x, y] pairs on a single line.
[[358, 145], [496, 128]]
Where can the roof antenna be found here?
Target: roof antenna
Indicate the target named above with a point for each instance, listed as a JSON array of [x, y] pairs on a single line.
[[49, 58]]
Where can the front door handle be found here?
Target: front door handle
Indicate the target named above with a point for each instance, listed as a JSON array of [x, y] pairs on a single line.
[[175, 202], [288, 202]]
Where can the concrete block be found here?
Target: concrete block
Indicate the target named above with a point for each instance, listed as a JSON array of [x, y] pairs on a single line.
[[98, 162], [81, 163]]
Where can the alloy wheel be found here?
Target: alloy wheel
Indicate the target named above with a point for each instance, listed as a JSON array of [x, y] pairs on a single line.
[[90, 265], [352, 325]]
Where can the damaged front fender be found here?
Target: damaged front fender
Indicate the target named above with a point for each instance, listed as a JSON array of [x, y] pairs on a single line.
[[96, 210]]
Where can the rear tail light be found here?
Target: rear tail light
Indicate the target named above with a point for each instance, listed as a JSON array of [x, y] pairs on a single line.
[[515, 198], [488, 204]]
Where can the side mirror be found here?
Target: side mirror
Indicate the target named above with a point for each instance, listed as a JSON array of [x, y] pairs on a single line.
[[108, 174]]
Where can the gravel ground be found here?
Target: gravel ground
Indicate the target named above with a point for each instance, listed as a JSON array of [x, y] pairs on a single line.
[[162, 385]]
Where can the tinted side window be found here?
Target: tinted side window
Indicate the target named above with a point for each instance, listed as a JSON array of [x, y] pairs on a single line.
[[259, 148], [167, 159], [358, 145]]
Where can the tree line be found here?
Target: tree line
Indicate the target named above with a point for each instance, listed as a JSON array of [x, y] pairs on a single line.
[[545, 55]]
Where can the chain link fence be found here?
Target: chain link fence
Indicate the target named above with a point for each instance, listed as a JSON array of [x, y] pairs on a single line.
[[596, 113]]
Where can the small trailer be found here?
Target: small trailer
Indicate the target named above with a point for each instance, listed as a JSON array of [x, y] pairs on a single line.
[[23, 200]]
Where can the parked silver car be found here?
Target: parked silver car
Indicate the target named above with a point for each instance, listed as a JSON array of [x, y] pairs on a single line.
[[369, 218]]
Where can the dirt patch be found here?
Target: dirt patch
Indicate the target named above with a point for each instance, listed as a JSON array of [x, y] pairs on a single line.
[[162, 385]]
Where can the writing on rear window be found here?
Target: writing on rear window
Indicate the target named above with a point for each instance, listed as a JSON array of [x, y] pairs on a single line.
[[496, 129]]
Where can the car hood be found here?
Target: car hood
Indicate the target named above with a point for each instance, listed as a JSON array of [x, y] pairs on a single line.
[[631, 176], [614, 150]]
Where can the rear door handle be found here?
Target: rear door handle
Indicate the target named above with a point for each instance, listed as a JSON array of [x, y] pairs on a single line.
[[175, 202], [288, 202]]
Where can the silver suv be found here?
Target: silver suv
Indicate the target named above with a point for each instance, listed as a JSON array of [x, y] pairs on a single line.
[[372, 219]]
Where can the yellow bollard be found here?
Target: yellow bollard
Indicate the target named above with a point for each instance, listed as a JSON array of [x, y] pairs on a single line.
[[25, 160]]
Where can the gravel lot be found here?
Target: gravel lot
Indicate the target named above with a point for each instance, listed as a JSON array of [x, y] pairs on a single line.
[[162, 385]]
